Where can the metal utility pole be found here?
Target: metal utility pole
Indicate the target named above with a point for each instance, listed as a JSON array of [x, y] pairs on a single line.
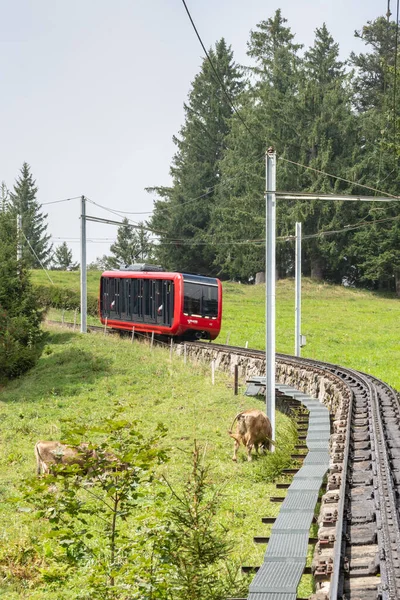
[[83, 267], [270, 274], [19, 235], [297, 327]]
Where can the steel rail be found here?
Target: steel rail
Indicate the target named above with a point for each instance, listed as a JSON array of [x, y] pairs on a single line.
[[387, 501]]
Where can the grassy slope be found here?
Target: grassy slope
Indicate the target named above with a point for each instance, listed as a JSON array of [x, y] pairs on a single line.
[[81, 376], [353, 328]]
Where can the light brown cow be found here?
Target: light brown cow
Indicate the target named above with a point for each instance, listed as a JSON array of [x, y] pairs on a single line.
[[253, 430], [56, 453]]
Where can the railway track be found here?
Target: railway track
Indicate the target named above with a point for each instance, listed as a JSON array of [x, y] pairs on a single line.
[[357, 555]]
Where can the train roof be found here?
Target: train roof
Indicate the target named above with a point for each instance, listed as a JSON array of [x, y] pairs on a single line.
[[159, 274]]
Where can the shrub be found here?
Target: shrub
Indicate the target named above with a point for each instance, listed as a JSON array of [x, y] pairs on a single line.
[[21, 338]]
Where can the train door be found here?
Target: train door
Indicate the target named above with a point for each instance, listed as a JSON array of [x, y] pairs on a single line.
[[105, 297], [165, 302], [110, 298], [124, 299], [136, 300], [149, 301]]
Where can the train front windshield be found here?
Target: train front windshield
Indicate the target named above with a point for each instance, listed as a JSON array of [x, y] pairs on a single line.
[[200, 297]]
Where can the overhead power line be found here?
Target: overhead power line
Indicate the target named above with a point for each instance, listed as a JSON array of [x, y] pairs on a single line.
[[37, 258], [227, 95], [366, 187], [59, 201]]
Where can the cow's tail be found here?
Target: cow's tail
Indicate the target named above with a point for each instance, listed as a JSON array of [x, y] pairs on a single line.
[[230, 430], [271, 441]]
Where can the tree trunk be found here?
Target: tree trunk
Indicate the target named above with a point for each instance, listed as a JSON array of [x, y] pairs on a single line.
[[260, 277], [397, 281], [317, 269]]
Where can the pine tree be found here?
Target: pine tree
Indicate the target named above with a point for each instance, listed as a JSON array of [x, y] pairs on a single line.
[[372, 85], [35, 241], [21, 338], [270, 109], [374, 251], [328, 138], [133, 245], [62, 258], [182, 212]]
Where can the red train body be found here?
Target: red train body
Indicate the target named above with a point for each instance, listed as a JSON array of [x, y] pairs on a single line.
[[169, 304]]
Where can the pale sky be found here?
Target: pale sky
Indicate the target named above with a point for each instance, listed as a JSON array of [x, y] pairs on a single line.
[[92, 91]]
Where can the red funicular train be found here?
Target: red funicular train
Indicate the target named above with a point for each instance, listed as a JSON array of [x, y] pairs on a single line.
[[145, 297]]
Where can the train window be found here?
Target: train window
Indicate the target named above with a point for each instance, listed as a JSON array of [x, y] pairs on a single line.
[[138, 300], [200, 300]]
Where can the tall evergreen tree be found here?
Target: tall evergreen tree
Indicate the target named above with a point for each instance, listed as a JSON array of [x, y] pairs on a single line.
[[372, 85], [35, 240], [270, 108], [20, 317], [133, 245], [62, 258], [183, 211], [374, 252], [329, 135]]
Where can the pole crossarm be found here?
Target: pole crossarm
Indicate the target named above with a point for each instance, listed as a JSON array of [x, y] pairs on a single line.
[[107, 221], [336, 198], [110, 222]]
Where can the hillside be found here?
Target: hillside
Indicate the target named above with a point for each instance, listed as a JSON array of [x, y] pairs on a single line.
[[351, 327], [81, 378]]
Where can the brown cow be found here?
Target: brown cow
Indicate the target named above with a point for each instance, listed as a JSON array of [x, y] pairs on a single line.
[[56, 453], [253, 430]]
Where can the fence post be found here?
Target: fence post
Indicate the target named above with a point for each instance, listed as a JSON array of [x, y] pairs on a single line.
[[133, 333], [75, 318], [152, 340], [236, 379], [105, 326], [246, 345]]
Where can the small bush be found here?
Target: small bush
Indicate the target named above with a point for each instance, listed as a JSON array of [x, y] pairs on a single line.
[[21, 343]]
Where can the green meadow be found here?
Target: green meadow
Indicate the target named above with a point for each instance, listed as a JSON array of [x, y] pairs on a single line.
[[81, 377]]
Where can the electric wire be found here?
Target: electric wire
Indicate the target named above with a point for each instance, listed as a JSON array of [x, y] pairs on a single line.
[[37, 258], [362, 185], [59, 201], [132, 223], [227, 95], [246, 241]]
